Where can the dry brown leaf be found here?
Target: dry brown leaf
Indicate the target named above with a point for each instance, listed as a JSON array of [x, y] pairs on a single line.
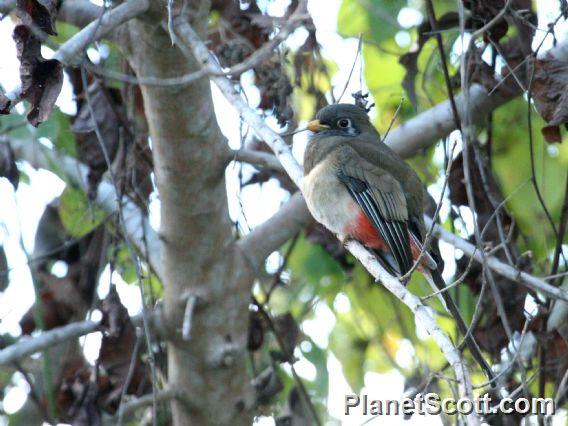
[[41, 78]]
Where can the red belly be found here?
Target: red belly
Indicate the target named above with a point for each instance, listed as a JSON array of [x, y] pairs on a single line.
[[363, 231]]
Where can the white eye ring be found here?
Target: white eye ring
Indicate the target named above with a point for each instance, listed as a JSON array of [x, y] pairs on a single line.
[[343, 123]]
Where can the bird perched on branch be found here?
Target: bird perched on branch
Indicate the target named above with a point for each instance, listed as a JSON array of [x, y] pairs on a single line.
[[360, 189]]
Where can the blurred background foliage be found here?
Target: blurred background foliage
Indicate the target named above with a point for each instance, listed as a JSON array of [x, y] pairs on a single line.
[[320, 285]]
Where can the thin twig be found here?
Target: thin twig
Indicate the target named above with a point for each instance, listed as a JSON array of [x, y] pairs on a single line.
[[284, 348], [171, 30], [122, 222], [126, 383], [147, 400], [357, 56], [441, 51], [393, 119], [428, 237], [503, 269], [47, 339]]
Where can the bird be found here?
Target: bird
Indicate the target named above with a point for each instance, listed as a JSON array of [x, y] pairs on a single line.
[[360, 189]]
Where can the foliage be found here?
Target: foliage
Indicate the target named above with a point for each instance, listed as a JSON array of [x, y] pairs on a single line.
[[367, 329]]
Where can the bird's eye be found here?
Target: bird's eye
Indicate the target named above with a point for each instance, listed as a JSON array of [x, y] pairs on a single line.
[[343, 123]]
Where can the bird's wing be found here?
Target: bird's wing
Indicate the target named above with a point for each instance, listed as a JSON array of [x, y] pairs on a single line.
[[382, 199]]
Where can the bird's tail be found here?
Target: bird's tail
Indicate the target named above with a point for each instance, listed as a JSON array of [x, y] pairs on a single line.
[[437, 282]]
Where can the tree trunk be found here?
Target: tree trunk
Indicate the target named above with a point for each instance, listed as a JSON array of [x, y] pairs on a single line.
[[199, 255]]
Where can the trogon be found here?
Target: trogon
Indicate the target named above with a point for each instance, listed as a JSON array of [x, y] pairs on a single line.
[[360, 189]]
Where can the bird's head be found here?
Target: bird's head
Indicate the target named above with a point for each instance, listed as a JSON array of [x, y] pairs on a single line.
[[341, 120]]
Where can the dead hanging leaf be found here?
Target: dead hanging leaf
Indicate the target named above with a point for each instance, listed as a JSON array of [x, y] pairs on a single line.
[[410, 60], [256, 331], [305, 57], [116, 352], [5, 104], [8, 168], [482, 12], [41, 78], [77, 393], [550, 91], [41, 13], [267, 385], [308, 63], [61, 303], [275, 89], [554, 346], [489, 333], [104, 103], [242, 23], [241, 32], [133, 168], [288, 332]]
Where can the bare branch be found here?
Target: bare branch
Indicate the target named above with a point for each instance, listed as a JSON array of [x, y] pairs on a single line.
[[497, 266], [146, 400], [270, 236], [46, 340], [75, 12], [428, 127], [70, 50], [6, 6], [256, 158]]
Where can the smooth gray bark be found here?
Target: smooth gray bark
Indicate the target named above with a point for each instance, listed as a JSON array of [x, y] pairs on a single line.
[[199, 256]]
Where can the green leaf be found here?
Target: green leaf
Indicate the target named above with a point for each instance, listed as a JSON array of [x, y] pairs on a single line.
[[78, 216], [24, 178], [311, 263], [512, 167], [124, 265], [64, 32], [376, 19], [318, 357], [58, 130], [349, 346]]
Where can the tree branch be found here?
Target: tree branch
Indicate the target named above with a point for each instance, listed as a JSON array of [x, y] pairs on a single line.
[[100, 27], [256, 158], [187, 36], [497, 266], [147, 400], [428, 127], [269, 236], [75, 12], [78, 12], [46, 340], [421, 313]]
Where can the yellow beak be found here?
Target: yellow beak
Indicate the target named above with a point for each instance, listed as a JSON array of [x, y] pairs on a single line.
[[315, 126]]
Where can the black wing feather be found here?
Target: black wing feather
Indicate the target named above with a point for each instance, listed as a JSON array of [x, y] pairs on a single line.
[[394, 233]]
